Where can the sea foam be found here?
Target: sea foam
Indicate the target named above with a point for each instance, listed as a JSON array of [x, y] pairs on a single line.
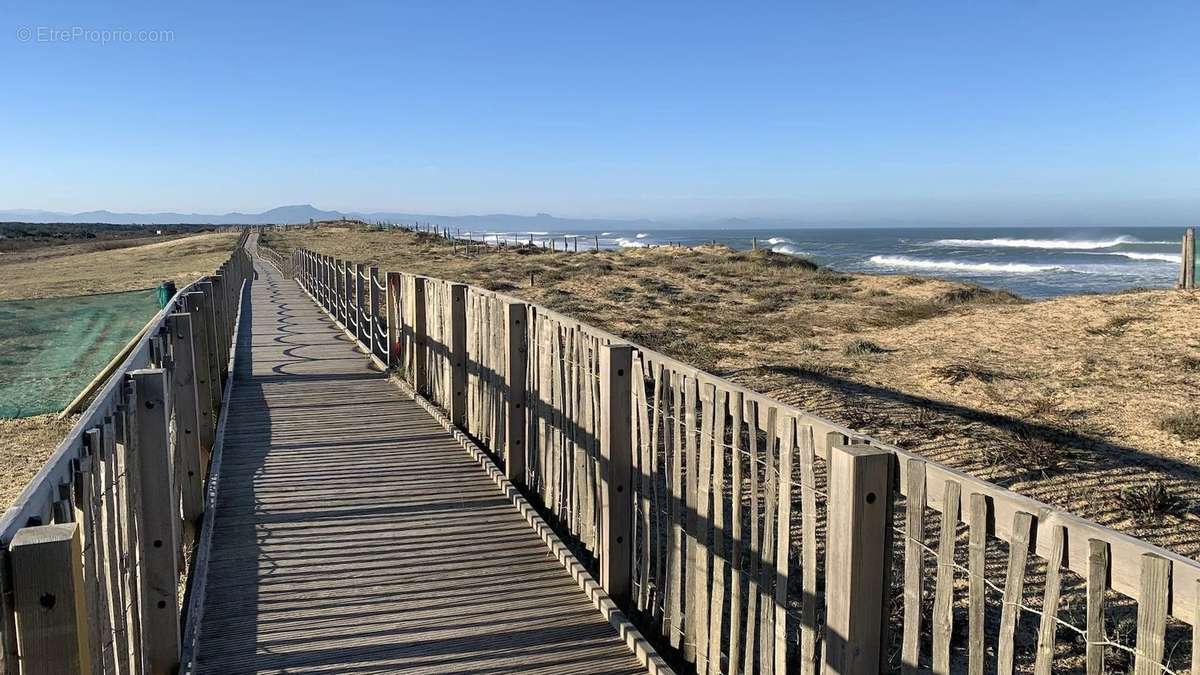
[[952, 265], [1041, 243]]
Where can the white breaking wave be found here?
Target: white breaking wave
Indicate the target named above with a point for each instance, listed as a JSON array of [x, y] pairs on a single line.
[[606, 234], [954, 266], [779, 240], [631, 243], [1040, 243], [1164, 257], [789, 250], [642, 235]]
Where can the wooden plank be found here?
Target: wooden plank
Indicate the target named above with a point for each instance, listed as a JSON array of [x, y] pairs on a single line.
[[1014, 587], [86, 489], [49, 600], [1048, 626], [157, 523], [187, 429], [943, 600], [783, 542], [1152, 615], [616, 452], [644, 483], [690, 451], [515, 392], [457, 361], [736, 630], [808, 524], [701, 564], [716, 612], [673, 622], [766, 585], [860, 483], [752, 593], [914, 567], [114, 547], [420, 379], [977, 590], [1097, 583], [9, 653], [661, 512], [1196, 637], [194, 304]]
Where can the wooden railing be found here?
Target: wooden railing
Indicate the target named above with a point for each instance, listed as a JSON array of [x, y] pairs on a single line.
[[749, 535], [92, 551]]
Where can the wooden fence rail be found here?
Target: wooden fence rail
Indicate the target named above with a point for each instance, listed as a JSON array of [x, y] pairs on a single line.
[[749, 535], [91, 552]]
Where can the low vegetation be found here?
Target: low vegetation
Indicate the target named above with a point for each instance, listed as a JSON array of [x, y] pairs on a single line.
[[1153, 500], [1026, 394], [1185, 424]]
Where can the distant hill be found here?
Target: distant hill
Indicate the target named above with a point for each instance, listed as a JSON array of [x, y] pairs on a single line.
[[302, 213]]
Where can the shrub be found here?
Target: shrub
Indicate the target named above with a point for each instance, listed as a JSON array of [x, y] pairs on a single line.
[[978, 295], [1185, 424], [1030, 451], [1114, 327], [859, 347], [957, 372], [1152, 500]]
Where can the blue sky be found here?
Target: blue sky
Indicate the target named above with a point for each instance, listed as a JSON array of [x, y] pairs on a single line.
[[656, 109]]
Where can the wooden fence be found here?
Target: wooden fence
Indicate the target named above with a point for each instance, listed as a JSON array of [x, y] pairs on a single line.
[[749, 535], [92, 553]]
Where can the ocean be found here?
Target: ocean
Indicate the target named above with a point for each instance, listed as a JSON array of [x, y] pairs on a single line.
[[1034, 262]]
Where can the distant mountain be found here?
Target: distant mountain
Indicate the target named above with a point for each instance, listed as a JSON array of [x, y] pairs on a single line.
[[302, 213], [284, 214]]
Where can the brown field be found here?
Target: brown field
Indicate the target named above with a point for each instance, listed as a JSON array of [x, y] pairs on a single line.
[[76, 269], [94, 267], [1089, 403]]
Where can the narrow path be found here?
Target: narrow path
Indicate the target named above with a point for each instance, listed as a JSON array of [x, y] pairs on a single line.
[[353, 534]]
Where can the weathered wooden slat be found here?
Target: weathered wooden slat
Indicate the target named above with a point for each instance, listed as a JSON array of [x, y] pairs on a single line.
[[691, 621], [787, 429], [645, 479], [716, 609], [701, 565], [809, 543], [752, 592], [766, 582], [736, 629], [1097, 582], [977, 520], [1048, 627], [1014, 587], [1152, 615], [914, 567], [673, 621], [943, 601], [49, 599]]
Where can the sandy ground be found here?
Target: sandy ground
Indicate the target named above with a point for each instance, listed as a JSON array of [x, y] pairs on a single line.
[[80, 269], [1088, 403], [25, 444]]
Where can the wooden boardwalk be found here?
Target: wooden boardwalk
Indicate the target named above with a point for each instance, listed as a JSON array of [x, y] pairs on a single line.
[[353, 534]]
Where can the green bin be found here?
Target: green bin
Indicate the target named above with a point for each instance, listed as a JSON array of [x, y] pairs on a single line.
[[166, 291]]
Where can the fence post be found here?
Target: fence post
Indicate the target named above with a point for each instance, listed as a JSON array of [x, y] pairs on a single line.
[[616, 461], [202, 357], [393, 318], [1189, 258], [359, 328], [859, 559], [157, 521], [420, 336], [458, 354], [187, 425], [217, 300], [373, 295], [48, 596], [515, 383]]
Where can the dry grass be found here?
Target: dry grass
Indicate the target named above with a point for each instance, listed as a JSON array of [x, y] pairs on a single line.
[[103, 267], [25, 445], [968, 375], [75, 270]]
